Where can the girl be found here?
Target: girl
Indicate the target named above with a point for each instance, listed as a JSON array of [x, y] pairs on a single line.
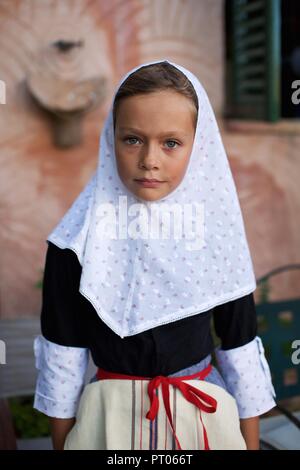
[[150, 251]]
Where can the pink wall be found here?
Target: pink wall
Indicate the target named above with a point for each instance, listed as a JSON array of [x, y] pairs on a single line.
[[39, 181]]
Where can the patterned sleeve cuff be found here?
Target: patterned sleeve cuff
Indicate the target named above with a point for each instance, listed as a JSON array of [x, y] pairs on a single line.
[[60, 378], [247, 376]]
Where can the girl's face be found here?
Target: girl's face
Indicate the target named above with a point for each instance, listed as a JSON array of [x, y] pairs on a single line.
[[154, 136]]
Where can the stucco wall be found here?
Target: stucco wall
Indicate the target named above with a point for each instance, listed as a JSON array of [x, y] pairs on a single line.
[[39, 181]]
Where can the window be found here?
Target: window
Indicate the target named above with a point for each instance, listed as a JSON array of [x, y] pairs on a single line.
[[262, 58], [290, 57]]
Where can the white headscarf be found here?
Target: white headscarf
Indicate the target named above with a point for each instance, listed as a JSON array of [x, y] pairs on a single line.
[[138, 282]]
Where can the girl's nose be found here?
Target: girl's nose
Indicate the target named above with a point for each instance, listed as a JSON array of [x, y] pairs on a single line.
[[148, 160]]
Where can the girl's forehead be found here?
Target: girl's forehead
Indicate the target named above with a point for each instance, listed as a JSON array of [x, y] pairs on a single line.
[[161, 107]]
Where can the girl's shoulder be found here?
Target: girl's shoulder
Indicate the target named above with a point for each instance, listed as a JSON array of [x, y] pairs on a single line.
[[62, 258], [62, 310], [62, 273], [63, 253]]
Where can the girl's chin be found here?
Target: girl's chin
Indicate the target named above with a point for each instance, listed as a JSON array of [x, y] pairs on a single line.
[[148, 194]]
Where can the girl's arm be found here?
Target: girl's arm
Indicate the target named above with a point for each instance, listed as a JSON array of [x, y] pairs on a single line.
[[60, 350], [243, 365], [250, 431], [60, 427]]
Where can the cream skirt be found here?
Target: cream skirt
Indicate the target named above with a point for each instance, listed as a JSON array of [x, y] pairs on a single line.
[[112, 416]]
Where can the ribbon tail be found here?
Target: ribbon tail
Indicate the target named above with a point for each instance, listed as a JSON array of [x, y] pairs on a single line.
[[151, 414], [205, 438], [202, 401], [166, 398]]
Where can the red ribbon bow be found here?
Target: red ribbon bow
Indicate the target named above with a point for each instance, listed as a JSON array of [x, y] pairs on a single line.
[[200, 399]]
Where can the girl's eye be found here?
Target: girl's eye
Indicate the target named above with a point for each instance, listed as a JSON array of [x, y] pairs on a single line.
[[133, 140], [174, 142], [130, 138]]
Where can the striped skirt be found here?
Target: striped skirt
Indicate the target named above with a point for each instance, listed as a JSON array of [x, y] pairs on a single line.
[[189, 410]]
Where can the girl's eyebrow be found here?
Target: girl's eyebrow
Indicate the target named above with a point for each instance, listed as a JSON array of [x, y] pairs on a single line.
[[131, 129]]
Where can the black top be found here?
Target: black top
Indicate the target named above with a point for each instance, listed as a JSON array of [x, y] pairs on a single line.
[[69, 319]]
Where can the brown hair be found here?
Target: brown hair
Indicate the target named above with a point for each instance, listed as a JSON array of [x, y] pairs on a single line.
[[156, 77]]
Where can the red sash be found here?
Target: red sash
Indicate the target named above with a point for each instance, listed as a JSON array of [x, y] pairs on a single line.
[[200, 399]]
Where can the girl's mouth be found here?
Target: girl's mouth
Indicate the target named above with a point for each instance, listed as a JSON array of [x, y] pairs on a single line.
[[149, 183]]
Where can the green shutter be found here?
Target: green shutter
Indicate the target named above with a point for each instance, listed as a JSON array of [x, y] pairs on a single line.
[[256, 65]]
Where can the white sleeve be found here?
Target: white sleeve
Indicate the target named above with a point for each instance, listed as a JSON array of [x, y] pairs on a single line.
[[247, 376], [61, 374]]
